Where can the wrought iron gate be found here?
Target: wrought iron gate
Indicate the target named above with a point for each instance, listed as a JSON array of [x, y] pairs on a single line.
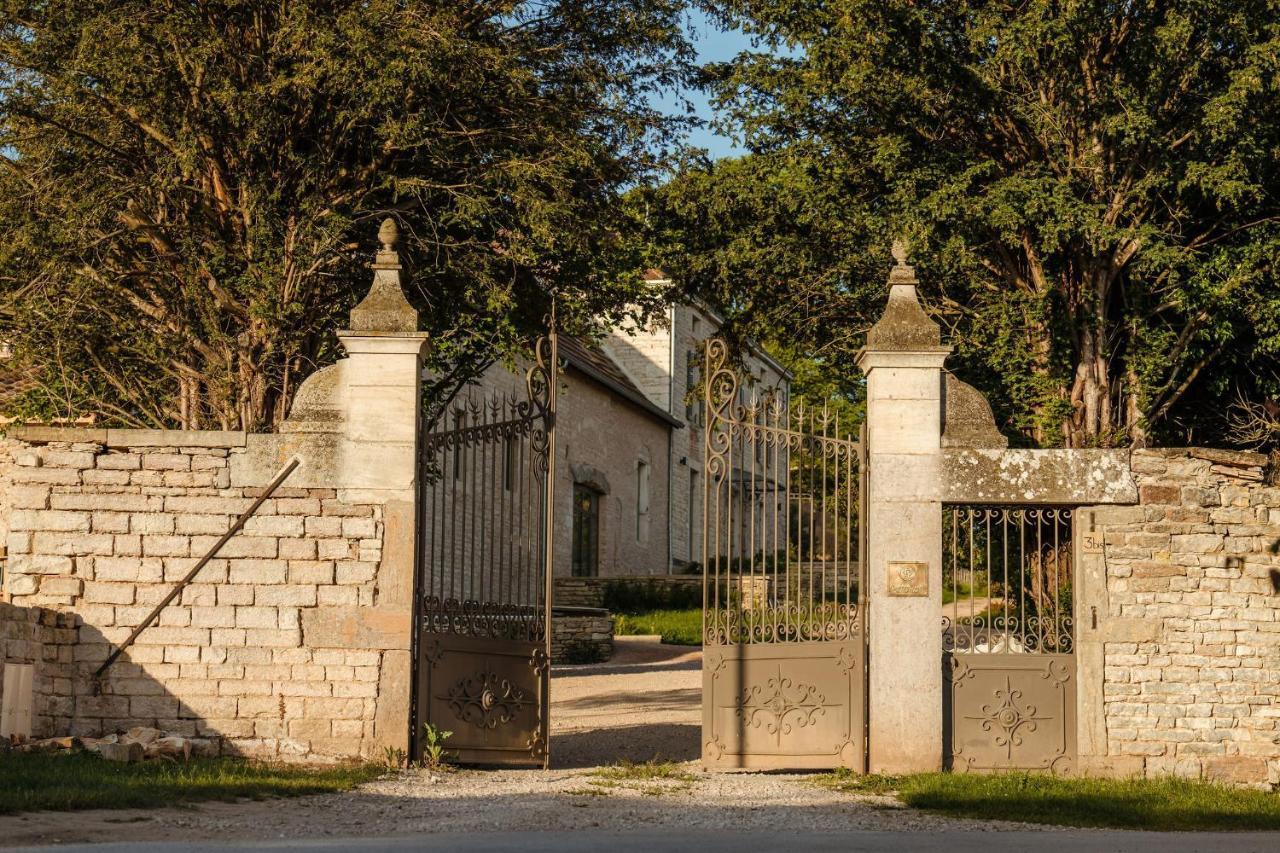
[[784, 655], [485, 573], [1008, 639]]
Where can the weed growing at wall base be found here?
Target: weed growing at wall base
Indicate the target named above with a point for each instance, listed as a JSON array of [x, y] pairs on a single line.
[[1153, 804], [61, 782]]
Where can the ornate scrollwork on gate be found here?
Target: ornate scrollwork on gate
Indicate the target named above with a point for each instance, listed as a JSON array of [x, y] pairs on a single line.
[[486, 701], [484, 565], [485, 553], [781, 705], [487, 619], [1009, 574]]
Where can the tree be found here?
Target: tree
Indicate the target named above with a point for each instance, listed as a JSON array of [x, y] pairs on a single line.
[[1091, 191], [189, 191]]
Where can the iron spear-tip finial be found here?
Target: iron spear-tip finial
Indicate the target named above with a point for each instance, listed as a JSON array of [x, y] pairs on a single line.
[[899, 250], [388, 234]]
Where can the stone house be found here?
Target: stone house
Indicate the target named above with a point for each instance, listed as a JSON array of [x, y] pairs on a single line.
[[664, 361], [629, 475]]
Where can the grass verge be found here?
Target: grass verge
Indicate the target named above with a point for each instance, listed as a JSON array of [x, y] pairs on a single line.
[[1155, 804], [64, 782], [677, 627]]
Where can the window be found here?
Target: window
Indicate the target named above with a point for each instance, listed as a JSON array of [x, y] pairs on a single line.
[[586, 532], [642, 500], [691, 395]]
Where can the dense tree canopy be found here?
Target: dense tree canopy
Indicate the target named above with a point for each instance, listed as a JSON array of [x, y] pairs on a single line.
[[189, 189], [1092, 191]]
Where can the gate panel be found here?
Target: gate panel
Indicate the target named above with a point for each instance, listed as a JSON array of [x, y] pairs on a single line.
[[783, 705], [1008, 636], [783, 646], [483, 648]]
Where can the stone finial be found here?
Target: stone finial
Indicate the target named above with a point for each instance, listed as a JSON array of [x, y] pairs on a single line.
[[899, 251], [904, 325], [388, 234], [385, 308]]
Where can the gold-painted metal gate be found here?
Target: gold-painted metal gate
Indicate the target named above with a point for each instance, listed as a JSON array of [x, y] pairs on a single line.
[[1008, 639], [783, 643], [484, 603]]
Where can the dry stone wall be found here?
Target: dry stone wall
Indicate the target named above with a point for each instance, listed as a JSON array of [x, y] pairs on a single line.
[[1191, 618], [581, 638], [45, 640], [251, 651]]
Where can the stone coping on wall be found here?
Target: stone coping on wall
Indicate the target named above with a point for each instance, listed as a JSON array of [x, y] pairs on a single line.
[[1083, 476], [1066, 477], [129, 437]]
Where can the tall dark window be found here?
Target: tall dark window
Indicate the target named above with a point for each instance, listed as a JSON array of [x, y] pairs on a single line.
[[586, 532], [691, 395]]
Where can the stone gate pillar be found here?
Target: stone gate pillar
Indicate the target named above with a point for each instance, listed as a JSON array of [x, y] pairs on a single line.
[[380, 454], [903, 361]]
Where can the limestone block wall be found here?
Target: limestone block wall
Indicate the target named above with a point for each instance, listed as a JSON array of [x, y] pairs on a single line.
[[581, 638], [260, 650], [7, 448], [1189, 621], [46, 640]]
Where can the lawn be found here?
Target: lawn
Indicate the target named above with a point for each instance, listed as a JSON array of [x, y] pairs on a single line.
[[1163, 804], [61, 782], [677, 627]]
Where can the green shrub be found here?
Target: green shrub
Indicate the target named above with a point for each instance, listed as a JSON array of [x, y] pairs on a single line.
[[640, 596]]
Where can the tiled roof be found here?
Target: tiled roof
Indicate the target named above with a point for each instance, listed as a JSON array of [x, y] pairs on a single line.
[[596, 364]]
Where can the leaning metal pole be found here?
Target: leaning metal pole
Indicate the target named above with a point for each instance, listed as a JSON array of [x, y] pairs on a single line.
[[195, 570]]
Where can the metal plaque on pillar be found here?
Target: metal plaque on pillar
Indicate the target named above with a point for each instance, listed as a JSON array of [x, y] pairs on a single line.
[[907, 579]]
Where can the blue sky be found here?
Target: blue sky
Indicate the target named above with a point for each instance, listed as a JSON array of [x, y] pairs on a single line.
[[713, 45]]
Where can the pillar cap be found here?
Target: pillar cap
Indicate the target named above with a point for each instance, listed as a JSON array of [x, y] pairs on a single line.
[[904, 326], [385, 308]]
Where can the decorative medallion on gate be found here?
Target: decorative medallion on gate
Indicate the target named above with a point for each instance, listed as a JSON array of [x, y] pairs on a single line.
[[486, 700], [1008, 636], [784, 650]]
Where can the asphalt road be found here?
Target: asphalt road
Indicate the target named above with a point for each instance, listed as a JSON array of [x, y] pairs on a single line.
[[727, 842]]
